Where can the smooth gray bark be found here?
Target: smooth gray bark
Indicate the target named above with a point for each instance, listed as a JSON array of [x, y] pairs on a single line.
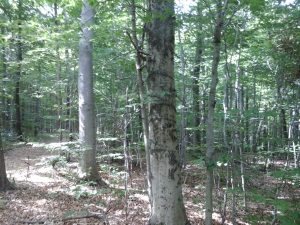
[[4, 101], [37, 102], [18, 124], [58, 75], [196, 73], [4, 183], [184, 108], [139, 58], [167, 206], [221, 8], [87, 129]]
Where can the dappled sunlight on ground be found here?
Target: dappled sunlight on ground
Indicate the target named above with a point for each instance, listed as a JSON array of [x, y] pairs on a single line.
[[47, 192], [50, 193]]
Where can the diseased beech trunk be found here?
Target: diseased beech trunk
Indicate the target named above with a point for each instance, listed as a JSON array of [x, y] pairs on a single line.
[[166, 201], [87, 129]]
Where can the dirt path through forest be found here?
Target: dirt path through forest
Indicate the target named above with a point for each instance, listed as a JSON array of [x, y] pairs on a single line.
[[30, 165]]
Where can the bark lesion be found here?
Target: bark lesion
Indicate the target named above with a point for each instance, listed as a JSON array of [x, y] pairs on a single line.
[[173, 158], [172, 172]]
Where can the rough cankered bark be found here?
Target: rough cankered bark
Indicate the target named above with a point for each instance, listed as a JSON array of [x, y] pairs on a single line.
[[87, 129], [166, 200]]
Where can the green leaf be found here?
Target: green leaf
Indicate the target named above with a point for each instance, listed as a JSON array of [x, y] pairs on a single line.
[[255, 5]]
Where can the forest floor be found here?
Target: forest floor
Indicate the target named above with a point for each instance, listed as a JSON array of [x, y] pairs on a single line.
[[47, 193]]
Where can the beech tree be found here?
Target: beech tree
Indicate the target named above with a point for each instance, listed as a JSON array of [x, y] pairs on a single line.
[[244, 127], [87, 129], [140, 64], [210, 152], [4, 183], [18, 124], [165, 171]]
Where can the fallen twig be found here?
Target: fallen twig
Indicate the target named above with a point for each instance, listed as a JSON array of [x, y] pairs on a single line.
[[76, 217]]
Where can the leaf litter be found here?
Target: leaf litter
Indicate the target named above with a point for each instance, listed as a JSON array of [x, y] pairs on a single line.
[[47, 194]]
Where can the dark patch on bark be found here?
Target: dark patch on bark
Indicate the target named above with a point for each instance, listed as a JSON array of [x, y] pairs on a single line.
[[157, 151], [171, 174], [172, 158], [164, 43], [173, 135], [173, 161]]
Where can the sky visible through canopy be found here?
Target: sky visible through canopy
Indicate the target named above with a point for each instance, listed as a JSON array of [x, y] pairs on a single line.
[[184, 5]]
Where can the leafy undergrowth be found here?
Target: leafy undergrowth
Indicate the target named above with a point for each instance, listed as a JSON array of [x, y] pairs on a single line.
[[47, 193]]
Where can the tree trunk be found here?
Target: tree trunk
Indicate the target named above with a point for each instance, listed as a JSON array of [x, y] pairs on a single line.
[[58, 75], [87, 129], [196, 72], [126, 156], [141, 88], [167, 206], [37, 102], [211, 109], [239, 123], [68, 98], [18, 125], [4, 183], [184, 108], [282, 114], [4, 100]]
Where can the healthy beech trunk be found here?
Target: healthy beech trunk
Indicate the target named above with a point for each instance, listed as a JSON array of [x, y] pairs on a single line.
[[138, 45], [210, 152], [87, 130], [165, 176], [4, 183]]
